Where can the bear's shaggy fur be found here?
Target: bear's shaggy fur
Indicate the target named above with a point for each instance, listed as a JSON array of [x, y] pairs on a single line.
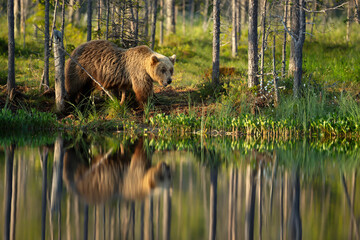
[[124, 173], [116, 69]]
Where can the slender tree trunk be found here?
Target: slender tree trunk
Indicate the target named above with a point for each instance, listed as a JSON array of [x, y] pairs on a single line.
[[313, 18], [295, 29], [244, 9], [45, 76], [136, 32], [170, 16], [17, 16], [213, 201], [146, 18], [206, 9], [184, 16], [11, 48], [162, 22], [71, 10], [59, 59], [283, 67], [253, 45], [153, 28], [238, 19], [98, 30], [263, 29], [89, 18], [192, 11], [216, 43], [24, 9], [9, 162], [357, 11], [107, 19], [348, 21], [234, 28], [53, 25], [276, 92], [299, 43]]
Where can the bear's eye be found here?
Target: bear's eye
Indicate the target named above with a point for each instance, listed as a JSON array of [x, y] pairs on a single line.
[[171, 71]]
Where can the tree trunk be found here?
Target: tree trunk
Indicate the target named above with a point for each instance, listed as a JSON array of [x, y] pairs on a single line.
[[162, 22], [192, 10], [184, 16], [357, 11], [213, 198], [107, 19], [313, 18], [170, 16], [11, 49], [253, 45], [206, 9], [98, 30], [59, 60], [24, 8], [263, 29], [276, 92], [295, 29], [153, 28], [348, 21], [45, 76], [216, 43], [146, 18], [17, 16], [244, 9], [234, 28], [89, 18], [238, 20], [53, 25], [298, 44], [283, 67], [136, 31], [71, 10]]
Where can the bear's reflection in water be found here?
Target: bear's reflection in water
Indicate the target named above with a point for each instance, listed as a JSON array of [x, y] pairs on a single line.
[[125, 174]]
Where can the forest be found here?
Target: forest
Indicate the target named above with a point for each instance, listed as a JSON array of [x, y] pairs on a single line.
[[243, 67]]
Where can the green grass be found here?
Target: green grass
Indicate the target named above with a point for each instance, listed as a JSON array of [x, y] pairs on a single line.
[[329, 105]]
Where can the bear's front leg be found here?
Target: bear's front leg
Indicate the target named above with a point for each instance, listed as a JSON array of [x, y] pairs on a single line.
[[122, 97]]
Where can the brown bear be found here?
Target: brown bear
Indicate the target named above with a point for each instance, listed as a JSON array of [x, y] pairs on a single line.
[[116, 69], [125, 173]]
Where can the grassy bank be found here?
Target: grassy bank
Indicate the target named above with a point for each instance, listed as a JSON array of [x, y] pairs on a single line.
[[329, 106]]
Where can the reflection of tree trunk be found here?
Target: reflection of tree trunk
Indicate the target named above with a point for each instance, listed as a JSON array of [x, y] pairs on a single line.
[[203, 183], [234, 222], [180, 198], [158, 219], [213, 202], [14, 199], [348, 201], [353, 200], [167, 214], [9, 161], [273, 176], [44, 158], [56, 188], [68, 213], [149, 219], [295, 218], [86, 221], [230, 213], [142, 216], [260, 198], [250, 203], [282, 207]]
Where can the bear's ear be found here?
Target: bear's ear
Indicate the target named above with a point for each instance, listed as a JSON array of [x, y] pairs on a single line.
[[173, 58], [154, 60]]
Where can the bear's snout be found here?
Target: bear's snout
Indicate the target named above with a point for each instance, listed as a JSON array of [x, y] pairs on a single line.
[[169, 80]]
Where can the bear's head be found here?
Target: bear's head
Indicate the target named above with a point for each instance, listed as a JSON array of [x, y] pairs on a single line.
[[162, 68]]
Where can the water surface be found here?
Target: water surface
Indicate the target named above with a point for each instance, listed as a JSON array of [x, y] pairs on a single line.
[[125, 187]]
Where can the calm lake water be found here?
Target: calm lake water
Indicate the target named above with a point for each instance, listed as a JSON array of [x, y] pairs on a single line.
[[125, 187]]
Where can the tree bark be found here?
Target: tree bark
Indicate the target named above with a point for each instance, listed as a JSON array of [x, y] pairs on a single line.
[[107, 19], [295, 29], [183, 16], [276, 92], [89, 18], [170, 17], [348, 21], [234, 28], [253, 45], [11, 49], [206, 9], [162, 22], [192, 10], [146, 18], [153, 28], [98, 30], [297, 55], [263, 29], [59, 59], [216, 43], [244, 9], [357, 11], [24, 9], [250, 194], [283, 68], [17, 16]]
